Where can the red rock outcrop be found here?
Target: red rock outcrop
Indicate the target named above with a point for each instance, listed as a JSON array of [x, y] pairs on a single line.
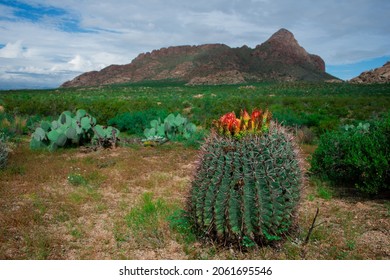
[[279, 58], [378, 75]]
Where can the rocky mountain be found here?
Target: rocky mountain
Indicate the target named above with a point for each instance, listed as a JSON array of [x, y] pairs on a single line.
[[280, 58], [378, 75]]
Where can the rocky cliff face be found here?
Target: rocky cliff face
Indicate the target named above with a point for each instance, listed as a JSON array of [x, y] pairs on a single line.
[[283, 47], [279, 58], [378, 75]]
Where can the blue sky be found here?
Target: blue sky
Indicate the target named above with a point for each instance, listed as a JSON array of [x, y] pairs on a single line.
[[44, 43]]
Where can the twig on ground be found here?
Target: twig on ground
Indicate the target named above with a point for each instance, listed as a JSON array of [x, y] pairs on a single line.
[[312, 227]]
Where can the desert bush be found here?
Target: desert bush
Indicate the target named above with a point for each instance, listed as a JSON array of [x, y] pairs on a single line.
[[3, 154], [290, 118], [13, 125], [197, 139], [317, 123], [356, 156], [136, 122]]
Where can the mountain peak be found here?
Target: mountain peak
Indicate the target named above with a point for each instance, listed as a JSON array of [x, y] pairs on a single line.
[[282, 37], [280, 58], [282, 34], [283, 47]]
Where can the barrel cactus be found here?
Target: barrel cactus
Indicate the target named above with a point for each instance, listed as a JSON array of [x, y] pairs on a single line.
[[248, 180], [3, 154]]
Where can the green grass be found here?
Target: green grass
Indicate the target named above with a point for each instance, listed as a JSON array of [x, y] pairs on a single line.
[[180, 223], [76, 179], [147, 220], [37, 245], [320, 106], [76, 233], [322, 190]]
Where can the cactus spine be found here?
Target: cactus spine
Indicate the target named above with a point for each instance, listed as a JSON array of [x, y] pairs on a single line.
[[247, 183]]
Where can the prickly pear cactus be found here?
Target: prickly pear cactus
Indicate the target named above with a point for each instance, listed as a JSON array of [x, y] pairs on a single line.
[[248, 180], [170, 128], [105, 136], [72, 129], [3, 154]]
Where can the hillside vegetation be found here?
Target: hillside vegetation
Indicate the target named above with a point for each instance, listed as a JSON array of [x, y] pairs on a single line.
[[318, 106]]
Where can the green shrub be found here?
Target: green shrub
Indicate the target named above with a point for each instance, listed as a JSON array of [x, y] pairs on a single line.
[[318, 124], [136, 122], [13, 125], [356, 156], [196, 139], [290, 118]]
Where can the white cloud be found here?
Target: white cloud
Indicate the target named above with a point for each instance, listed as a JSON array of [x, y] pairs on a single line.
[[78, 63], [12, 50], [339, 31]]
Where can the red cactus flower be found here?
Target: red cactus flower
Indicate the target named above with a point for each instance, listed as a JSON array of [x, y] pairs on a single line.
[[235, 129], [230, 125], [256, 115], [228, 120]]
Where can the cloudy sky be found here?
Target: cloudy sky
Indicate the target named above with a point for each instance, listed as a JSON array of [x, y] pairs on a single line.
[[46, 42]]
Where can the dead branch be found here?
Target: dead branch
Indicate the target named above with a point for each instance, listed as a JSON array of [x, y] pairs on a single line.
[[311, 228]]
